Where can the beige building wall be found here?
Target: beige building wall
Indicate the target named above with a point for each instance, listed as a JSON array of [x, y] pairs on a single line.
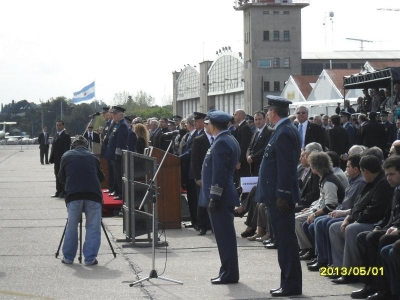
[[269, 59]]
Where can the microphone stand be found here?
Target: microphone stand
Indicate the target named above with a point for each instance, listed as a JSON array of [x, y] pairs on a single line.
[[153, 189]]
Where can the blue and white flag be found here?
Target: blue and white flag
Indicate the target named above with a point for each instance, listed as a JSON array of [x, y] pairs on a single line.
[[84, 94]]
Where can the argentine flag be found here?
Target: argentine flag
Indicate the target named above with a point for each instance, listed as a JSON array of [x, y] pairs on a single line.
[[84, 94]]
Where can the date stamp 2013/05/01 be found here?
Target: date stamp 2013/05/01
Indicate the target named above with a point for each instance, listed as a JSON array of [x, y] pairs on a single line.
[[351, 271]]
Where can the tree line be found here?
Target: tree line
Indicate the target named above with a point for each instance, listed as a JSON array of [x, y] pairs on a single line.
[[30, 117]]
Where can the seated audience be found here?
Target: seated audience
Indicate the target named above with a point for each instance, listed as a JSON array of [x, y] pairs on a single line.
[[368, 209], [331, 194]]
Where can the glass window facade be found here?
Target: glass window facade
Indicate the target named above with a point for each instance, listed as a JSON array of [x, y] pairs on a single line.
[[189, 106], [188, 84], [225, 75], [230, 102]]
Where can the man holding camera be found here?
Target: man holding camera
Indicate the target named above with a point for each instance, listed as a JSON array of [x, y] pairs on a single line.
[[81, 173]]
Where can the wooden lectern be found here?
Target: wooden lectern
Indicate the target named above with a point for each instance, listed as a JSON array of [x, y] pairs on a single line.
[[96, 149], [169, 192]]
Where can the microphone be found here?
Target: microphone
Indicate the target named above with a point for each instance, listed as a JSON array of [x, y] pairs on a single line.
[[95, 114], [173, 132]]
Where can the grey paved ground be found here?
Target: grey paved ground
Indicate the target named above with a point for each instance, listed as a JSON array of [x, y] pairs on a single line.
[[31, 224]]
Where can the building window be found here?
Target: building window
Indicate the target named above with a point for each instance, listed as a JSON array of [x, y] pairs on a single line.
[[276, 12], [277, 62], [356, 66], [264, 63], [277, 86], [266, 12], [266, 35], [266, 86], [276, 35], [339, 66], [286, 12], [286, 62], [286, 35], [311, 68]]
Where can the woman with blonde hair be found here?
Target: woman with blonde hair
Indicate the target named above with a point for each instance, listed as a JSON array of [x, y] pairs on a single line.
[[143, 137]]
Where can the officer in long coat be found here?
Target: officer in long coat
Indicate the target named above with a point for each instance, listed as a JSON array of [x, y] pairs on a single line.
[[117, 142], [278, 188], [219, 194]]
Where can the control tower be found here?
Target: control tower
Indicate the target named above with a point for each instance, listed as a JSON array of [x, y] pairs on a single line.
[[272, 47]]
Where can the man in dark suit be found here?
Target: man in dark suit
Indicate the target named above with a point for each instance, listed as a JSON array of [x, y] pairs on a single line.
[[308, 181], [200, 146], [159, 138], [43, 141], [373, 133], [250, 121], [258, 142], [345, 117], [154, 129], [188, 181], [243, 136], [337, 140], [118, 141], [309, 132], [367, 101], [104, 136], [391, 131], [91, 137], [61, 144], [177, 120], [219, 194], [278, 188]]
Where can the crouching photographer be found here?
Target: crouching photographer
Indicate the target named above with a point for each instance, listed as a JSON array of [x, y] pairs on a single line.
[[81, 173]]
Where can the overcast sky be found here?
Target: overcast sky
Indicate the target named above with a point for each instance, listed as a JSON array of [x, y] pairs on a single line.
[[51, 48]]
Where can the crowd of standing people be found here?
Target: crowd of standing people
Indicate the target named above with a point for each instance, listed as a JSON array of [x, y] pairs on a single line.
[[327, 187]]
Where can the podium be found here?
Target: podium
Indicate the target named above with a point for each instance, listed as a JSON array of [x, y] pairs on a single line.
[[169, 192]]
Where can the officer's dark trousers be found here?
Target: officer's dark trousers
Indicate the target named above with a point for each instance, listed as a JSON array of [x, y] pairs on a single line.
[[370, 245], [111, 181], [225, 235], [288, 249], [191, 191], [118, 177]]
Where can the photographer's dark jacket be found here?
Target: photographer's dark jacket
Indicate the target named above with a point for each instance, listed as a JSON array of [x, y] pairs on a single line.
[[81, 173]]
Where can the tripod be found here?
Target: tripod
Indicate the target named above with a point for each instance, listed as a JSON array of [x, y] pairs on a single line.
[[153, 189], [80, 240]]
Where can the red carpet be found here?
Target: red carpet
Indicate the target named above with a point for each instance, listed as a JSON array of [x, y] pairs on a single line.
[[110, 206]]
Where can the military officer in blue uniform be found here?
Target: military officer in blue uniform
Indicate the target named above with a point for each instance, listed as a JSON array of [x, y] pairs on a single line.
[[278, 188], [107, 116], [118, 140], [219, 195]]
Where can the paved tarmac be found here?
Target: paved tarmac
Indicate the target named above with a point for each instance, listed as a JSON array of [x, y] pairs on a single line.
[[31, 225]]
